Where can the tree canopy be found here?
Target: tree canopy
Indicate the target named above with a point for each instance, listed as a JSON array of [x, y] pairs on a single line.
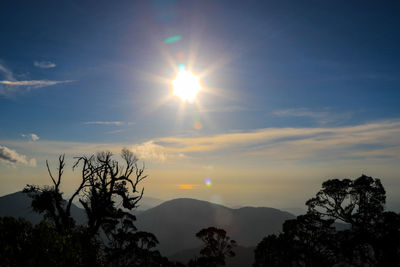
[[372, 237]]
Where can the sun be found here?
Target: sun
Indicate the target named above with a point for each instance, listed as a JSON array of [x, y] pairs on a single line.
[[186, 85]]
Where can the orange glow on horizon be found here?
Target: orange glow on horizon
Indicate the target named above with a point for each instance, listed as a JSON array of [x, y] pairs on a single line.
[[186, 186]]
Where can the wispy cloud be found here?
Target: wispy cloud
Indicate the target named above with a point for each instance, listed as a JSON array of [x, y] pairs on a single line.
[[34, 83], [323, 116], [44, 64], [372, 140], [31, 137], [10, 86], [115, 131], [11, 157], [115, 123], [6, 73]]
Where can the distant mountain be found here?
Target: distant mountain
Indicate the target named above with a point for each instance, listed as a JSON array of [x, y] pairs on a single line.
[[296, 210], [148, 202], [244, 256], [144, 204], [176, 222], [18, 205]]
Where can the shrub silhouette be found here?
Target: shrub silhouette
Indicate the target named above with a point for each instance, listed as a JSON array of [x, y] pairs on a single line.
[[217, 246]]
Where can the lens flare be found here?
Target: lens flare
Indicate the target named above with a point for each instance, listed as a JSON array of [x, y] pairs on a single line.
[[197, 125], [208, 182], [173, 39]]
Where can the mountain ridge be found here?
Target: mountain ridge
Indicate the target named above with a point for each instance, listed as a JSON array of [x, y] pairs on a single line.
[[175, 222], [18, 205]]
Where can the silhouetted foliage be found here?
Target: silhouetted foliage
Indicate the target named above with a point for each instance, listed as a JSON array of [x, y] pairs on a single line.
[[274, 251], [108, 194], [22, 244], [311, 239], [49, 200], [217, 246], [133, 248], [104, 182], [305, 241], [359, 202]]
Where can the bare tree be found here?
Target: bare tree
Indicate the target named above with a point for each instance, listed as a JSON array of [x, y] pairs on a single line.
[[49, 199], [106, 191]]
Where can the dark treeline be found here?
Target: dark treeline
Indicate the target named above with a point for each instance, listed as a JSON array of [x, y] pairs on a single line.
[[109, 192]]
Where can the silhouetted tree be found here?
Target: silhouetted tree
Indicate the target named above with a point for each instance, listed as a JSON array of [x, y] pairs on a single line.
[[104, 183], [310, 237], [305, 241], [359, 202], [387, 243], [49, 199], [129, 247], [273, 251], [311, 240], [108, 192], [217, 246]]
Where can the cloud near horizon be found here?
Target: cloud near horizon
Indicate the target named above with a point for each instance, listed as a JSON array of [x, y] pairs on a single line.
[[373, 140], [31, 137], [12, 157]]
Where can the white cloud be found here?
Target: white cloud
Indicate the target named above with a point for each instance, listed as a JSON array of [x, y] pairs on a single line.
[[115, 123], [44, 64], [150, 151], [13, 157], [323, 116], [31, 137], [115, 131]]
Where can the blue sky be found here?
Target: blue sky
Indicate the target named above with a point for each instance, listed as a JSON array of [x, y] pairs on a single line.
[[296, 92]]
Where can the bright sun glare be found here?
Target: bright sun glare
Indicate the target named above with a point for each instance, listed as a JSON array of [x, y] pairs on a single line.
[[186, 85]]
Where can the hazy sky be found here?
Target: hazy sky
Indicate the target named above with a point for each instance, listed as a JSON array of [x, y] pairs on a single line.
[[295, 92]]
